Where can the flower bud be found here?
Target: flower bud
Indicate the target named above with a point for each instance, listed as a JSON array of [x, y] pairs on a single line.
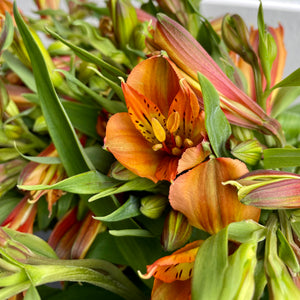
[[248, 151], [268, 189], [241, 133], [118, 171], [236, 36], [139, 36], [124, 21], [177, 231], [40, 125], [13, 132], [152, 206], [84, 72]]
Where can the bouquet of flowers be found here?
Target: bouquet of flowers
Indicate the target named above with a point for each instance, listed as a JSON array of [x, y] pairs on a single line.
[[146, 152]]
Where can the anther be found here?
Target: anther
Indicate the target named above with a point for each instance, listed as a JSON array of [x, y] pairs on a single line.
[[173, 121], [157, 147], [176, 151], [158, 130], [188, 143], [178, 141]]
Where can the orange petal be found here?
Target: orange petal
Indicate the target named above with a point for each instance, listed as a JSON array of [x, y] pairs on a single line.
[[177, 266], [146, 78], [130, 148], [167, 168], [192, 157], [209, 205], [177, 290], [85, 237]]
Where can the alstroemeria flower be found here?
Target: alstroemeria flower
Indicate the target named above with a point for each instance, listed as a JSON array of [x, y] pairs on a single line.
[[36, 173], [191, 58], [209, 205], [71, 238], [163, 120], [269, 189], [22, 216], [277, 67], [173, 273]]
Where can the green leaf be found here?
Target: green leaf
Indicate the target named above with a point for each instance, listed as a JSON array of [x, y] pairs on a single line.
[[131, 232], [283, 99], [291, 80], [281, 158], [20, 69], [131, 208], [289, 121], [7, 33], [61, 131], [137, 184], [216, 124], [86, 56], [83, 117], [210, 266], [85, 183], [109, 105]]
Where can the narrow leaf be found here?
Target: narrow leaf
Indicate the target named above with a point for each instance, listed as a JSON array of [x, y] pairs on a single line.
[[281, 158], [86, 56], [7, 33], [128, 210], [20, 69], [137, 184], [61, 131], [216, 124], [85, 183], [110, 105], [292, 80], [131, 232]]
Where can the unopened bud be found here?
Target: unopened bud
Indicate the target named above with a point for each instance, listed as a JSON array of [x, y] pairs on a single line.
[[40, 125], [139, 36], [249, 151], [118, 171], [124, 21], [13, 131], [84, 72], [177, 231], [236, 36], [152, 206]]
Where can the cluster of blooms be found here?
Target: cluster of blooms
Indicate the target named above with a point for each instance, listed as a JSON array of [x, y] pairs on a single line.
[[153, 144]]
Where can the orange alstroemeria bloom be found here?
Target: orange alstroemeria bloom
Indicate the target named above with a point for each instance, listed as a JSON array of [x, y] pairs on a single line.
[[173, 273], [163, 120], [201, 196], [277, 67]]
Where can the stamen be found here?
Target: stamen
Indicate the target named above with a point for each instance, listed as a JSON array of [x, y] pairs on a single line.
[[173, 121], [178, 141], [157, 147], [176, 151], [188, 143], [158, 130]]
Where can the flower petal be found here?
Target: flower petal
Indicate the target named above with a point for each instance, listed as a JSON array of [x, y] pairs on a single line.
[[177, 266], [146, 78], [209, 205], [177, 290], [130, 148]]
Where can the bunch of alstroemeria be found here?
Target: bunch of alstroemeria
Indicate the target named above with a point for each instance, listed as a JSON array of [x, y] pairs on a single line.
[[146, 142]]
